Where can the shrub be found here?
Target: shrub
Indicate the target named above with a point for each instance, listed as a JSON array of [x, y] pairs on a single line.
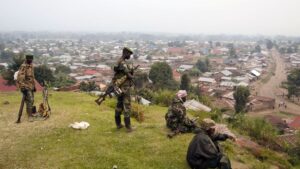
[[138, 111], [256, 128], [163, 97]]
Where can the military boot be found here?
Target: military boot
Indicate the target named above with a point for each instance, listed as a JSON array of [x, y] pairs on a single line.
[[118, 122], [30, 117], [128, 124]]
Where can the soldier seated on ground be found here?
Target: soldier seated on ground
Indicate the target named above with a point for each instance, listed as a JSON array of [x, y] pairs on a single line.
[[176, 118], [204, 151]]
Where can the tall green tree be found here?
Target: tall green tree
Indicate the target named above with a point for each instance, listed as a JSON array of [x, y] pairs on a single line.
[[293, 83], [185, 82], [140, 79], [241, 95], [43, 73], [8, 74], [162, 76], [63, 80], [203, 66], [257, 49], [62, 69], [269, 44]]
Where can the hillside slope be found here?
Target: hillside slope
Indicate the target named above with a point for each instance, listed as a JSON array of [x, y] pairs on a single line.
[[52, 144]]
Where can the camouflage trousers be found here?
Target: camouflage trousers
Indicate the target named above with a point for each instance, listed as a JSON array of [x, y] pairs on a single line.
[[29, 101], [124, 104], [182, 125]]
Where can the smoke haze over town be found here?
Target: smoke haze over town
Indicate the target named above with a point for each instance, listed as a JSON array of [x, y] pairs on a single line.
[[249, 17]]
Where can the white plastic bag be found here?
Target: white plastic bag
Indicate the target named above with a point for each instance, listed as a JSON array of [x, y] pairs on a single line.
[[80, 125]]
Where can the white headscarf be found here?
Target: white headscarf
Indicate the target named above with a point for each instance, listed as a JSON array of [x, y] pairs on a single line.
[[181, 93]]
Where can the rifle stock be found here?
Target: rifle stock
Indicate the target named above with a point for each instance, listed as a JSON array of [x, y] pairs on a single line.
[[21, 109]]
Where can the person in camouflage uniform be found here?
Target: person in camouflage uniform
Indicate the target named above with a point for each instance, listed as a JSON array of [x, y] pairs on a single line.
[[124, 99], [176, 118], [26, 83], [204, 151]]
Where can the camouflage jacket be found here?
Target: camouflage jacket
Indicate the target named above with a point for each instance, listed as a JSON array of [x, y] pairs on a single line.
[[25, 77], [120, 76], [176, 110]]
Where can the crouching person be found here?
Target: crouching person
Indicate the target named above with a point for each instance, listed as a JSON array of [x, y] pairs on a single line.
[[204, 151], [176, 119]]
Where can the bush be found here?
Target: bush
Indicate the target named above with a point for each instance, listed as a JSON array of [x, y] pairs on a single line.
[[88, 86], [259, 129], [138, 111], [163, 97]]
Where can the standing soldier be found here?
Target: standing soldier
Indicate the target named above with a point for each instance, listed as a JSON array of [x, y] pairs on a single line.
[[124, 101], [176, 118], [26, 83]]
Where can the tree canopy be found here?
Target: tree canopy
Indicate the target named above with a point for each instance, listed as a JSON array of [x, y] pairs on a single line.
[[185, 82], [162, 76], [241, 95], [293, 83]]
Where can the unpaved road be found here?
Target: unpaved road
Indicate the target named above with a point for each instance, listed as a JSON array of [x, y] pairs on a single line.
[[272, 87]]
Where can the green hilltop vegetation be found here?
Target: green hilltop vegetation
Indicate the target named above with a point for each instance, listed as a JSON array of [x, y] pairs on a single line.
[[52, 144]]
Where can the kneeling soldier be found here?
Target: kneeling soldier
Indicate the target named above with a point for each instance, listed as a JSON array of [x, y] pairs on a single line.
[[176, 118]]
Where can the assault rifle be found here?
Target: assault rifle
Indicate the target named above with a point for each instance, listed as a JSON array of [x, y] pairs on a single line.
[[114, 87]]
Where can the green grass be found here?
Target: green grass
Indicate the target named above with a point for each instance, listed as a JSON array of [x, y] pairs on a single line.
[[52, 144]]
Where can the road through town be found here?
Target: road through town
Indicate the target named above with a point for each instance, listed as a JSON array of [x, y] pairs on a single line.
[[272, 87]]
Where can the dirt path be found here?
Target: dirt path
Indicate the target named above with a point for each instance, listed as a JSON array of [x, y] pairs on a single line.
[[272, 87]]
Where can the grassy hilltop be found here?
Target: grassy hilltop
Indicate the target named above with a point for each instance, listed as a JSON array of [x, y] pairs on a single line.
[[52, 144]]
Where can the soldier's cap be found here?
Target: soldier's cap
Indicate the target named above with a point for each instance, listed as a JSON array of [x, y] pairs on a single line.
[[126, 49], [29, 57], [208, 123]]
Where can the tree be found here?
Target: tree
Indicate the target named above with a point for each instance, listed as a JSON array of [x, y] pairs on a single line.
[[282, 50], [185, 82], [63, 80], [43, 73], [63, 69], [232, 52], [258, 49], [194, 72], [162, 76], [241, 95], [203, 65], [8, 75], [269, 44], [140, 80], [289, 50], [2, 68], [7, 55], [293, 83], [88, 86]]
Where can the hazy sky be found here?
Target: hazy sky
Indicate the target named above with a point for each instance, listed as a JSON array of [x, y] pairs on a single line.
[[268, 17]]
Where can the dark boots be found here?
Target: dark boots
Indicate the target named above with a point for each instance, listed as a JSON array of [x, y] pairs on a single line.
[[128, 124], [118, 122]]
